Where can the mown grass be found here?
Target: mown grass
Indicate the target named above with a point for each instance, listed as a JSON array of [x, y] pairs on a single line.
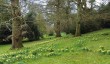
[[86, 49]]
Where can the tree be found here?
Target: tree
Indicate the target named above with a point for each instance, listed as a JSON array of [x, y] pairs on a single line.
[[92, 3], [67, 12], [79, 15], [57, 24], [55, 9], [31, 22], [16, 25], [5, 11]]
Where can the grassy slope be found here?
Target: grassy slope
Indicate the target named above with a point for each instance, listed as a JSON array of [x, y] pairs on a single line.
[[5, 48], [91, 40]]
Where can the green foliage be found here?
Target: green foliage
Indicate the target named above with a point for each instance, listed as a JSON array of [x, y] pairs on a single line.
[[104, 8], [5, 31], [5, 12], [30, 20]]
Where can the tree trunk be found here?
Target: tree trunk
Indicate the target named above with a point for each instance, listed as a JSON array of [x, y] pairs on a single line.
[[16, 25], [57, 29], [79, 6], [57, 24], [68, 12], [77, 33]]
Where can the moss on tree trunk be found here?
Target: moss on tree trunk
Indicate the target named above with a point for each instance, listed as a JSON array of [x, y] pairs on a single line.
[[57, 24], [16, 25], [79, 15]]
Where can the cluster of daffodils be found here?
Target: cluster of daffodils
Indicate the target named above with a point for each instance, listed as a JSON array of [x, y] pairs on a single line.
[[86, 49], [32, 54], [94, 39], [15, 56], [103, 51]]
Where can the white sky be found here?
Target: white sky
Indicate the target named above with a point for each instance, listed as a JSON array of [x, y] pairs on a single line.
[[98, 2], [102, 1]]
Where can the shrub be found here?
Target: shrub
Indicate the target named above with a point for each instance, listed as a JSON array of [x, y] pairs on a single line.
[[1, 62]]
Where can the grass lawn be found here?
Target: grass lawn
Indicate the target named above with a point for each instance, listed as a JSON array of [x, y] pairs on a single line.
[[91, 48]]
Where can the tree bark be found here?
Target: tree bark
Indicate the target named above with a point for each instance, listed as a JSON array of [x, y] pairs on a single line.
[[57, 29], [79, 6], [57, 24], [16, 25], [68, 12]]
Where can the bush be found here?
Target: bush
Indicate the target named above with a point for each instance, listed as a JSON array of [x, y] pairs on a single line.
[[5, 31]]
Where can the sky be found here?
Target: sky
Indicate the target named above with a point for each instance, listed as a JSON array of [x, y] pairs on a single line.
[[98, 2], [101, 1]]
